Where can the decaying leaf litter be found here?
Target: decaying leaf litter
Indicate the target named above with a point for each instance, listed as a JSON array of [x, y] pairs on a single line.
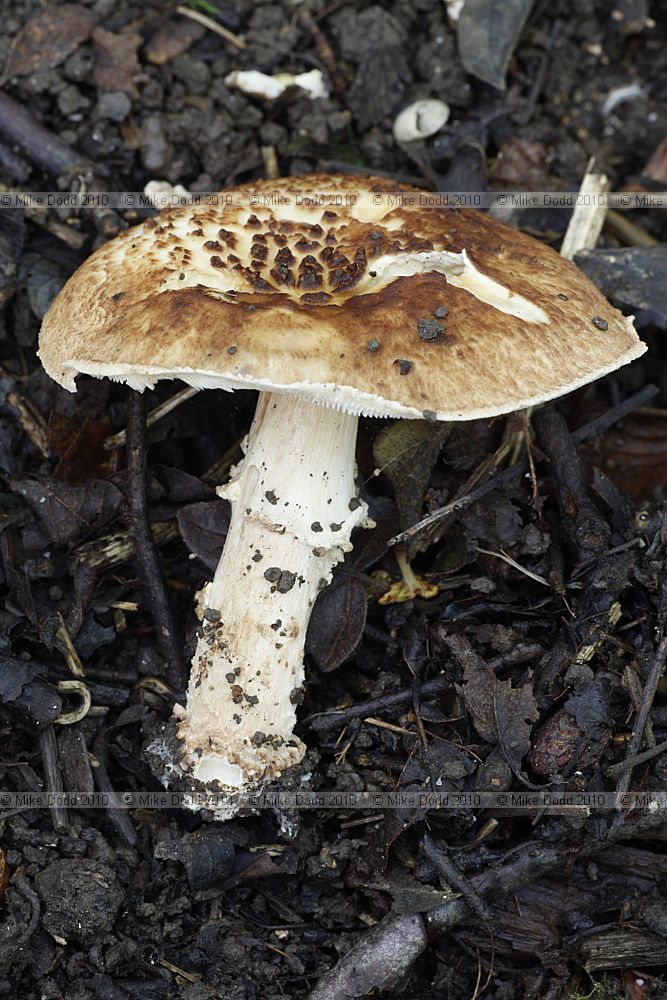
[[538, 663]]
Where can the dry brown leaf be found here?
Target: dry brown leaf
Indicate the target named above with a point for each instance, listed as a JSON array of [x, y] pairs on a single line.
[[116, 61], [500, 712], [656, 168], [172, 39], [48, 38], [635, 457], [523, 164]]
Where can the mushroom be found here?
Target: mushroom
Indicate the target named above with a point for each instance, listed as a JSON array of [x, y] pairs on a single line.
[[334, 296]]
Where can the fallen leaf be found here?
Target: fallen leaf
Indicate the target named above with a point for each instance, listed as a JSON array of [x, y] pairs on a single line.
[[523, 164], [85, 456], [633, 457], [337, 623], [406, 452], [116, 61], [487, 33], [500, 713], [589, 704], [67, 511], [172, 39], [21, 687], [656, 168], [203, 528], [48, 38]]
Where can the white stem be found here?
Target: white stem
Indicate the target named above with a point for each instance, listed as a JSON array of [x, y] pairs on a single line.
[[294, 505]]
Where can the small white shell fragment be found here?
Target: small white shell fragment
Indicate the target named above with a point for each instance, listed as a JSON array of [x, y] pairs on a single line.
[[619, 95], [157, 191], [454, 8], [270, 87], [420, 120]]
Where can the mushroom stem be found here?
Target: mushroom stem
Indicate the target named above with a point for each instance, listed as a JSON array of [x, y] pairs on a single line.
[[294, 506]]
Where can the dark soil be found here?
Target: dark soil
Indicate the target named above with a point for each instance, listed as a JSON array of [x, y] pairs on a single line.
[[504, 681]]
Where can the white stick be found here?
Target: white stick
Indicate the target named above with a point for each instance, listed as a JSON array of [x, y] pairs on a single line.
[[588, 217]]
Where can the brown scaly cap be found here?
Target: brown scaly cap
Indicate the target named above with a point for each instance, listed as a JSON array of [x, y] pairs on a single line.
[[374, 304]]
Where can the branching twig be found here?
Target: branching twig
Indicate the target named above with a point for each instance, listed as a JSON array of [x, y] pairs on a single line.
[[146, 553]]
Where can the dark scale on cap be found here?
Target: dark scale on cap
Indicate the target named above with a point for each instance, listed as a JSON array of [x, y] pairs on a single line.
[[303, 245], [333, 257], [197, 232], [430, 329], [271, 497], [310, 274], [329, 215], [212, 245], [226, 237], [257, 281], [373, 345], [430, 415], [441, 312], [600, 323], [403, 366], [346, 277], [259, 251], [377, 234], [117, 295], [281, 272], [272, 574], [257, 556], [563, 296], [216, 261], [314, 298], [232, 350], [233, 259], [316, 526], [253, 221]]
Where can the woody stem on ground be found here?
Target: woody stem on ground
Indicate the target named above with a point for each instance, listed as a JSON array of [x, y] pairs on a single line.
[[294, 506]]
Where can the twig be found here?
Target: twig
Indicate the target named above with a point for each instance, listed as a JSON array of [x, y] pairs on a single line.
[[450, 873], [521, 653], [629, 231], [160, 411], [47, 151], [48, 749], [146, 553], [526, 113], [212, 25], [642, 715], [361, 971], [334, 720], [118, 817], [582, 522], [631, 762], [325, 52]]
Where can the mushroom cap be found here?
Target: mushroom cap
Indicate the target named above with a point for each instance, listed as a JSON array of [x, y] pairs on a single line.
[[354, 292]]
